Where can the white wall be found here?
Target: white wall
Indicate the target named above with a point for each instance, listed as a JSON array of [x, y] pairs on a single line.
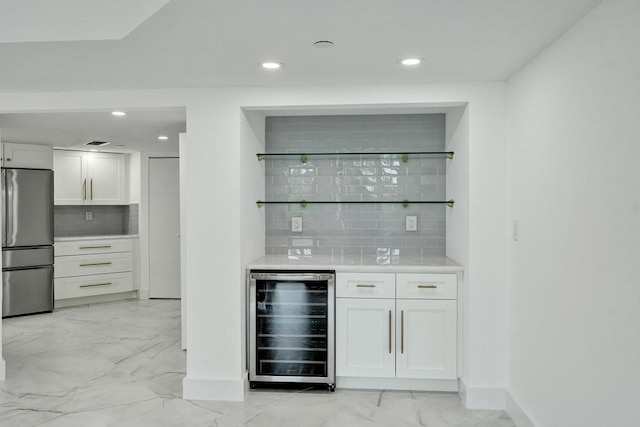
[[574, 187], [222, 220]]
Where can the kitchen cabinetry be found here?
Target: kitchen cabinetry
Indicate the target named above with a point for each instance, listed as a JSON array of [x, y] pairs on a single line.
[[396, 325], [88, 178], [30, 156], [85, 268]]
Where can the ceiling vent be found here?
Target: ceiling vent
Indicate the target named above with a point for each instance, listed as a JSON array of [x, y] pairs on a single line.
[[97, 143]]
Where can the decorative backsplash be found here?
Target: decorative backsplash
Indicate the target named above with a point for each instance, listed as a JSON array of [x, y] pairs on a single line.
[[70, 221], [364, 230]]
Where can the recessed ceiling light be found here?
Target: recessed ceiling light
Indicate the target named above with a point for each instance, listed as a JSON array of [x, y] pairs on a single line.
[[323, 44], [272, 65], [118, 113], [411, 61], [163, 137]]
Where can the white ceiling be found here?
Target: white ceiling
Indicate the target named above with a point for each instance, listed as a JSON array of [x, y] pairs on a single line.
[[137, 131], [197, 43]]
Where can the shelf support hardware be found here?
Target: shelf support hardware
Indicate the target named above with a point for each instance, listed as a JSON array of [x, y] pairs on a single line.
[[304, 203], [304, 157]]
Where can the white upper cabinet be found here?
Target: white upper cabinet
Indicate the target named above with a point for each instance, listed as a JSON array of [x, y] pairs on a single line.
[[86, 178], [28, 156]]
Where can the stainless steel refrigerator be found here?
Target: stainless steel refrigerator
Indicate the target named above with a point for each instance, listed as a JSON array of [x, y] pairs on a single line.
[[27, 241]]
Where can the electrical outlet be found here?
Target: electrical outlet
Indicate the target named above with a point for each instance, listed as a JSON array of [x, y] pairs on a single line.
[[411, 223], [296, 224], [88, 215]]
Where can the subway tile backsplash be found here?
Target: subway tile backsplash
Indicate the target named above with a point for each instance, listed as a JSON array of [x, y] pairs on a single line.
[[366, 230], [69, 221]]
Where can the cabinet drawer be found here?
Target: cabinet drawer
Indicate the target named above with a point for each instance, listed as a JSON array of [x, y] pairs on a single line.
[[426, 286], [84, 286], [80, 265], [99, 246], [365, 285]]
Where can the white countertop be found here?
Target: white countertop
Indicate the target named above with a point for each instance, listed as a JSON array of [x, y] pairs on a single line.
[[358, 264], [83, 238]]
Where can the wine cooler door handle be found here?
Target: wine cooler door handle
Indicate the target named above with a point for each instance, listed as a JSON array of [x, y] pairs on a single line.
[[402, 332], [389, 331]]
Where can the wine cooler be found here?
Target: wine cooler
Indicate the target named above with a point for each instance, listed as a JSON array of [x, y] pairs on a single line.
[[291, 328]]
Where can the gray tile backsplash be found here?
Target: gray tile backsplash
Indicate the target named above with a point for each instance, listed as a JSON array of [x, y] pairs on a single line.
[[365, 230], [69, 221]]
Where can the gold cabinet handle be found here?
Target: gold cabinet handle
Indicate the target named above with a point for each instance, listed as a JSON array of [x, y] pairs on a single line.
[[95, 247], [427, 286], [362, 285], [389, 331], [94, 264], [93, 285], [91, 188], [84, 189], [402, 332]]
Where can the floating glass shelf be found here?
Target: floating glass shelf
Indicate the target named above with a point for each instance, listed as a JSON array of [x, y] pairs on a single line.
[[405, 154], [304, 203]]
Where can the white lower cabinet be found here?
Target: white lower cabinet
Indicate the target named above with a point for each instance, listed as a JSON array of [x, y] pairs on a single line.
[[364, 344], [89, 268], [412, 336], [426, 339]]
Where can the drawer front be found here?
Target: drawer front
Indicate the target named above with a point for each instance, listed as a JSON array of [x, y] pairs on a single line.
[[81, 265], [75, 287], [427, 286], [100, 246], [365, 285]]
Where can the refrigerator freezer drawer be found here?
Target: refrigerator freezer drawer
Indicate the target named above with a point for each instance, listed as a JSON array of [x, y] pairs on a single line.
[[26, 257], [27, 291]]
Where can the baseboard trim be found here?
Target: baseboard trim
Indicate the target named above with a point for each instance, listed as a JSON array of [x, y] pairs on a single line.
[[214, 389], [516, 413], [143, 293], [95, 299], [481, 397], [396, 384]]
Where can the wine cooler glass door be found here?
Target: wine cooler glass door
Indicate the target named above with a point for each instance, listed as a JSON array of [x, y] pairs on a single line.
[[293, 329]]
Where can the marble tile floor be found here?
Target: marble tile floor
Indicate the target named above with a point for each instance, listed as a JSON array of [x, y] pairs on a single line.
[[120, 364]]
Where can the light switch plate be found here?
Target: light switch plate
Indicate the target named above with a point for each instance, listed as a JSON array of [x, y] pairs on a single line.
[[411, 223], [88, 215], [296, 224]]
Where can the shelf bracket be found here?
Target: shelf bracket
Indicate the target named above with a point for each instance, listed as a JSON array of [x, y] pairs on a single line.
[[405, 203], [405, 158], [450, 155], [303, 204], [303, 158], [260, 156], [450, 203], [260, 204]]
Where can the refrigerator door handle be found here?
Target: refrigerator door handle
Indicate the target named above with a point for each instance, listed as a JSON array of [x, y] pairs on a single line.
[[4, 210], [8, 181]]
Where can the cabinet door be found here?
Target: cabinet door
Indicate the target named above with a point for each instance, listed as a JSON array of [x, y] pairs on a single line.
[[364, 342], [105, 179], [70, 177], [29, 156], [426, 339]]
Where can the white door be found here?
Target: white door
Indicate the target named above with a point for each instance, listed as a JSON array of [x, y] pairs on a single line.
[[164, 228], [426, 339], [364, 342]]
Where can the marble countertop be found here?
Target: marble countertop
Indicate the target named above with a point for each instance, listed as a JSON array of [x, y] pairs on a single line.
[[358, 264], [82, 238]]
